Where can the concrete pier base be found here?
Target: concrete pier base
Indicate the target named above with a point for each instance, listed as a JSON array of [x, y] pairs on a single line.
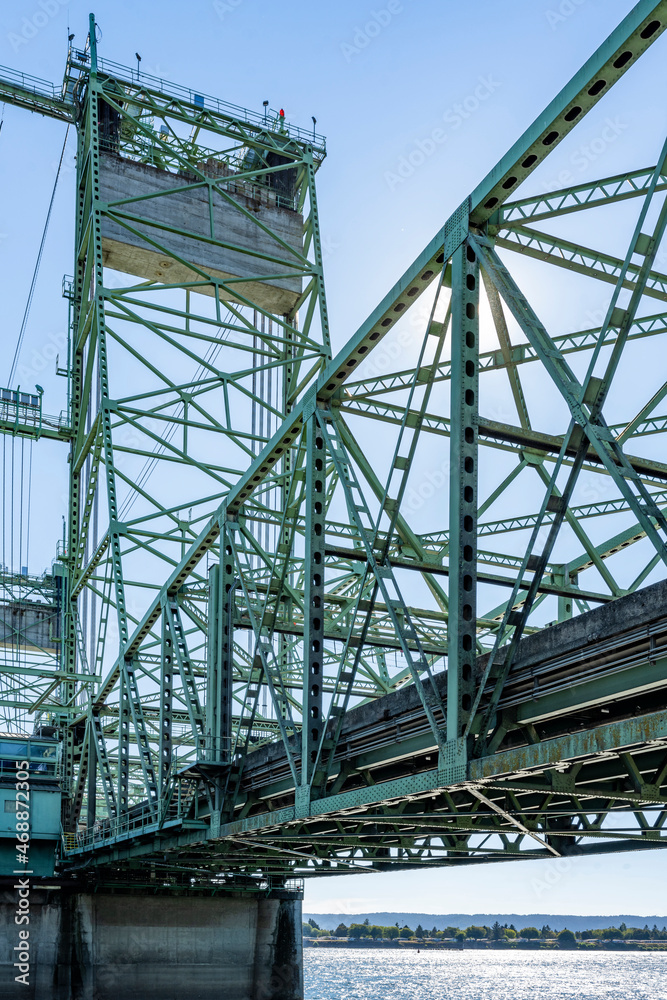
[[143, 946]]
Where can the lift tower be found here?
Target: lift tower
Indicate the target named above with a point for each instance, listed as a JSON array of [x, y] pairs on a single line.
[[182, 365]]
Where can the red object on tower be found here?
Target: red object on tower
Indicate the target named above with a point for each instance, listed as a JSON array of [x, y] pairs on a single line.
[[281, 113]]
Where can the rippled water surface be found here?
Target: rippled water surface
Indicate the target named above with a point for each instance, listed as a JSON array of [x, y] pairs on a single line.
[[369, 974]]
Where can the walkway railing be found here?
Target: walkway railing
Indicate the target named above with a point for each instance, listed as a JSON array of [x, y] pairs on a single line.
[[32, 83], [138, 78]]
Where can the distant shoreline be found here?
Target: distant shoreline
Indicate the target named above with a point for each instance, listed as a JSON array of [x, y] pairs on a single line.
[[556, 921], [477, 945]]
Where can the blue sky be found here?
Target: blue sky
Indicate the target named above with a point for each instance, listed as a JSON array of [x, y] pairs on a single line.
[[379, 78]]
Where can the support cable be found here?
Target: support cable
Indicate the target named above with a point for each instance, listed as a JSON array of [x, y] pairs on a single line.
[[11, 516], [21, 481], [4, 502], [31, 292], [27, 541]]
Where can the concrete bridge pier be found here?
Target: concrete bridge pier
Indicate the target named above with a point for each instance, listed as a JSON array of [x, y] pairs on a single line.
[[150, 944]]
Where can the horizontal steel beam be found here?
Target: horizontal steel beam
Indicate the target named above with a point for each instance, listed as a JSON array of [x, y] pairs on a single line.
[[27, 92], [493, 430], [577, 198], [519, 354], [438, 569], [580, 259]]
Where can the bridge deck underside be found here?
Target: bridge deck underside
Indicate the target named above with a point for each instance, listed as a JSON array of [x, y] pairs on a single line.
[[584, 771]]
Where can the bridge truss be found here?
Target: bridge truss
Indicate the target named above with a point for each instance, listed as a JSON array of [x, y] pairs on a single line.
[[298, 590]]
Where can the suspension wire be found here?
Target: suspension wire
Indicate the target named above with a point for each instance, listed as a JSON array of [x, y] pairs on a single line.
[[269, 500], [254, 444], [253, 423], [27, 541], [21, 508], [31, 292], [4, 501], [11, 518]]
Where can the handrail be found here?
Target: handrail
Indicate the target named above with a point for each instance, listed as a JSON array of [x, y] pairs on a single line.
[[137, 77], [35, 84]]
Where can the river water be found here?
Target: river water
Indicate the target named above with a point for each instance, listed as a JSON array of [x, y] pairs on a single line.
[[374, 974]]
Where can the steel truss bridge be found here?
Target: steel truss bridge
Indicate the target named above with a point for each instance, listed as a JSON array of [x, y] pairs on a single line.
[[315, 616]]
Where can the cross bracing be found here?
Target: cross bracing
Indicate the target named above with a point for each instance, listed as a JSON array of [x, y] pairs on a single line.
[[264, 539]]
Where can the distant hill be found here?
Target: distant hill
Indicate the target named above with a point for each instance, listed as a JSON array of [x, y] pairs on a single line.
[[557, 921]]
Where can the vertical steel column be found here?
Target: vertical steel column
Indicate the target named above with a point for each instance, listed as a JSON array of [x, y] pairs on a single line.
[[461, 632], [565, 601], [141, 738], [317, 251], [166, 703], [76, 412], [91, 814], [88, 350], [96, 100], [68, 688], [313, 635], [123, 746], [102, 765], [212, 672], [227, 591], [220, 657], [90, 328], [285, 648]]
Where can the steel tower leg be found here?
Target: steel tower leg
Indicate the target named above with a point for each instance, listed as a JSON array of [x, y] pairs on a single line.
[[461, 630]]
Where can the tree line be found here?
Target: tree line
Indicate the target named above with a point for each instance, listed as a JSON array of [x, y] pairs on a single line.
[[497, 932]]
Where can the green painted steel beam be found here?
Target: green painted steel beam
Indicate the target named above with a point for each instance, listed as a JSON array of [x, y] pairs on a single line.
[[618, 53], [438, 539], [576, 198], [632, 732], [34, 94], [56, 432], [493, 432], [599, 740], [580, 259], [648, 676], [445, 569], [519, 354]]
